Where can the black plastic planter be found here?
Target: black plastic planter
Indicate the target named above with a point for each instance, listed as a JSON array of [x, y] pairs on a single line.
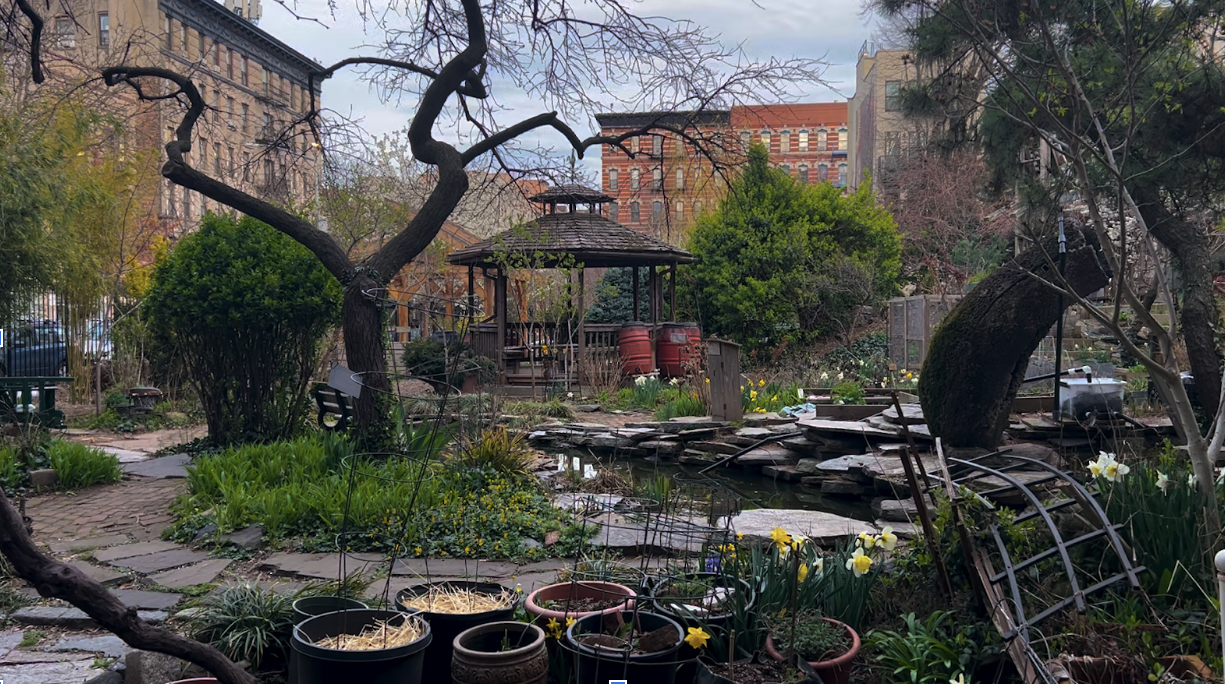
[[306, 608], [316, 665], [446, 626], [599, 666]]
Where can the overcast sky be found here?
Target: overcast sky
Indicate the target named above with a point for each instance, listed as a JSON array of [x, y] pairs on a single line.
[[766, 28]]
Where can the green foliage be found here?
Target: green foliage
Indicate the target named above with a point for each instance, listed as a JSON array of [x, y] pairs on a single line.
[[245, 306], [928, 651], [535, 410], [688, 403], [246, 622], [849, 392], [782, 262], [614, 302], [497, 450], [647, 391], [31, 638], [814, 639], [165, 414], [79, 466], [444, 365], [12, 475], [765, 397]]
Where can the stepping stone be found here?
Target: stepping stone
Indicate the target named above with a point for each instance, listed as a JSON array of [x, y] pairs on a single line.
[[70, 617], [823, 528], [578, 501], [816, 428], [771, 454], [132, 550], [71, 545], [543, 566], [200, 573], [249, 538], [453, 567], [59, 672], [912, 414], [101, 575], [125, 456], [320, 565], [715, 447], [898, 511], [110, 646], [623, 533], [767, 420], [162, 468], [660, 447], [161, 561], [152, 600]]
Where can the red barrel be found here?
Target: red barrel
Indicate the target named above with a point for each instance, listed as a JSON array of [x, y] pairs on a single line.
[[634, 342], [677, 344]]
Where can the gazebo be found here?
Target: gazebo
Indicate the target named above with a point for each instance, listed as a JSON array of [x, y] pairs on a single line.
[[572, 232]]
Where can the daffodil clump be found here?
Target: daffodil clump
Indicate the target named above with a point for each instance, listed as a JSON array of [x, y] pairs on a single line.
[[1107, 467], [760, 396]]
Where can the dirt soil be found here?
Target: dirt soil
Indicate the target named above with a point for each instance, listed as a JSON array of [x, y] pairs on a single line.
[[743, 672]]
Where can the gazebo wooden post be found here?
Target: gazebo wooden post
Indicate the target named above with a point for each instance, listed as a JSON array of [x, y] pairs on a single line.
[[471, 296], [653, 305], [672, 291], [635, 317], [499, 296], [582, 332]]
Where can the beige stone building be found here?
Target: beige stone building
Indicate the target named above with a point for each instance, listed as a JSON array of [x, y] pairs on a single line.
[[881, 136], [254, 87]]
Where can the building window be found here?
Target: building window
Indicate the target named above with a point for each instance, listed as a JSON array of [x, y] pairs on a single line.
[[657, 145], [65, 33], [765, 138], [634, 176], [657, 210], [217, 103], [229, 64], [612, 180], [104, 31], [804, 174], [697, 208], [614, 211], [172, 209], [267, 132], [186, 203], [183, 38], [680, 179], [745, 139], [634, 216], [229, 111], [842, 138], [842, 175], [680, 210], [892, 143], [216, 50], [785, 169], [246, 166], [246, 117], [822, 140], [264, 72], [803, 139], [893, 96], [634, 145], [242, 69], [657, 180], [822, 172], [268, 171], [230, 171], [784, 142], [166, 30]]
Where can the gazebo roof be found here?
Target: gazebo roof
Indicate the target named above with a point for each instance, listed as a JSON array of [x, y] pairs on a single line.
[[570, 193], [591, 239]]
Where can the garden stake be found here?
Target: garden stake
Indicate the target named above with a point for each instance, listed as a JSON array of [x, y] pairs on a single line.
[[731, 646], [920, 502], [1219, 561]]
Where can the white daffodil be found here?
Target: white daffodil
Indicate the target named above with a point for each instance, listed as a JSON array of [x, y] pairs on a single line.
[[840, 377], [824, 376], [1163, 482], [819, 566], [1114, 471], [887, 539], [799, 392], [1191, 480], [1098, 467]]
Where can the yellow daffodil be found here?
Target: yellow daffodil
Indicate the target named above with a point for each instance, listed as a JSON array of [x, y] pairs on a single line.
[[802, 573], [761, 383], [742, 388], [781, 538], [1163, 482], [887, 539], [569, 621], [866, 540], [752, 395], [697, 637], [774, 398], [739, 536], [859, 563], [707, 381], [554, 628]]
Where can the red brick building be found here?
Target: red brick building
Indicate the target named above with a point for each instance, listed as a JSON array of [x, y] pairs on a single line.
[[665, 186]]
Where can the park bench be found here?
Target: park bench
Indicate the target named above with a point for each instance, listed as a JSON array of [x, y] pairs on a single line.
[[17, 400], [332, 402]]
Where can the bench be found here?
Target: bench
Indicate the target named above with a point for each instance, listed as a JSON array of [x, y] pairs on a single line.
[[333, 402], [17, 400]]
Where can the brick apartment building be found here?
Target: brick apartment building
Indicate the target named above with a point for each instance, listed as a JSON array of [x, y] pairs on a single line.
[[666, 185]]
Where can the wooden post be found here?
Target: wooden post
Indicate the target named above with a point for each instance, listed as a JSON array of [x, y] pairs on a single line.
[[471, 297], [672, 292], [653, 305], [635, 317], [582, 331], [499, 303]]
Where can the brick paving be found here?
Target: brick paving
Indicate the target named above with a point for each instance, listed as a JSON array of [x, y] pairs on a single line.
[[138, 507]]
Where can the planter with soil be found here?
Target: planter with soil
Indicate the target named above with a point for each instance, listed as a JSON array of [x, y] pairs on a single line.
[[578, 600], [827, 645], [625, 645], [306, 608], [757, 670], [450, 608], [500, 653], [700, 599], [366, 646]]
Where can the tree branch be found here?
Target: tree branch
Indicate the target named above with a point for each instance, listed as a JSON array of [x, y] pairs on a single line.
[[36, 39]]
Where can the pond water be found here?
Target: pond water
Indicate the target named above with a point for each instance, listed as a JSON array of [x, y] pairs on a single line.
[[748, 489]]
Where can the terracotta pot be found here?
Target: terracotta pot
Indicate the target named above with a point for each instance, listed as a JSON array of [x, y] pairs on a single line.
[[198, 680], [477, 657], [576, 590], [835, 671]]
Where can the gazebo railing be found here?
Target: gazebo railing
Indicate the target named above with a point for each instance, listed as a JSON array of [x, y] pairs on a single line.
[[545, 351]]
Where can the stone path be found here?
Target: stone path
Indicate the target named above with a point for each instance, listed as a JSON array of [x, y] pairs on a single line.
[[137, 508]]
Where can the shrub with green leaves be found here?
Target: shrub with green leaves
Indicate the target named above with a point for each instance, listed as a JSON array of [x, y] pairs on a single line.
[[931, 651], [498, 450], [444, 365], [79, 466], [849, 392], [245, 306], [12, 476], [247, 623]]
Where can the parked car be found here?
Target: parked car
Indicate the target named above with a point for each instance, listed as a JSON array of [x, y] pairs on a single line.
[[33, 349]]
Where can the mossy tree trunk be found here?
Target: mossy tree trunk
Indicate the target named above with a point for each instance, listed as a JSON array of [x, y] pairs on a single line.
[[978, 356]]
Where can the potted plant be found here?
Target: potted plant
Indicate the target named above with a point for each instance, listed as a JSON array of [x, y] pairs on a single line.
[[625, 645], [500, 653], [705, 598], [759, 668], [450, 608], [578, 599], [367, 646], [828, 646]]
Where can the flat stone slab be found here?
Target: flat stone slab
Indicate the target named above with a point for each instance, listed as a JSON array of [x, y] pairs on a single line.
[[630, 533], [89, 543], [767, 419], [132, 550], [101, 575], [452, 567], [898, 510], [248, 538], [161, 561], [162, 468], [70, 617], [124, 455], [580, 500], [152, 600], [843, 427], [60, 672], [319, 565], [823, 528], [200, 573], [912, 414], [111, 646], [769, 455], [662, 447]]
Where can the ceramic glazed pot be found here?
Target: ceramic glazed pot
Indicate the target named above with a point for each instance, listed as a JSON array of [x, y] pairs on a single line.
[[478, 658], [570, 591], [600, 665], [833, 671]]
